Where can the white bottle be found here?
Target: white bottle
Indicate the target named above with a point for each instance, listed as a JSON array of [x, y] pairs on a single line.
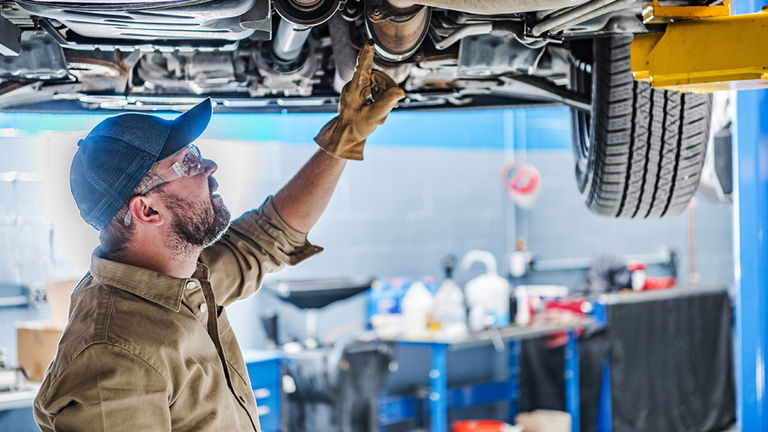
[[450, 311], [487, 294], [523, 315], [417, 310]]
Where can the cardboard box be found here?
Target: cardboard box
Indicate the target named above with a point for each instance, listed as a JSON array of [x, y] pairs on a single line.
[[59, 294], [544, 421], [37, 341]]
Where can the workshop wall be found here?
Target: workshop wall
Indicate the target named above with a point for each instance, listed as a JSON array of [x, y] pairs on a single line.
[[26, 231], [430, 185], [397, 214], [559, 227]]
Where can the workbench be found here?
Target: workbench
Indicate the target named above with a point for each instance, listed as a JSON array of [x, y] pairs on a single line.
[[394, 409], [16, 410]]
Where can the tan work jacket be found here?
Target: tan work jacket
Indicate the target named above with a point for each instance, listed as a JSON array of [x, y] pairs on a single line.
[[144, 351]]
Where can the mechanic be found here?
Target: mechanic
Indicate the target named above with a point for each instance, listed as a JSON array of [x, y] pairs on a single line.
[[148, 346]]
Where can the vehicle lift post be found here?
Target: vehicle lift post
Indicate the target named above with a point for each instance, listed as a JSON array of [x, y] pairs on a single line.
[[723, 52], [751, 252]]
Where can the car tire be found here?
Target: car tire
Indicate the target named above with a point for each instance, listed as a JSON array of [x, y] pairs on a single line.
[[640, 152]]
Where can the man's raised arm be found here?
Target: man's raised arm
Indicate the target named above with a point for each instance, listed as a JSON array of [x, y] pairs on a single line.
[[304, 198]]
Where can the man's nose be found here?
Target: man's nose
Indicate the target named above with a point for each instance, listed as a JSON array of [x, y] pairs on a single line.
[[209, 166]]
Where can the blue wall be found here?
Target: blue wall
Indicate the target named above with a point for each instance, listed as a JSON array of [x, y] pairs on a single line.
[[541, 128]]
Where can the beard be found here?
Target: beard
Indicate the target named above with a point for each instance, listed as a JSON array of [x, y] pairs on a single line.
[[197, 223]]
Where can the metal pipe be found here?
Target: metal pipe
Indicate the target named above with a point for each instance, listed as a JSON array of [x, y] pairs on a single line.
[[545, 13], [569, 16], [343, 53], [595, 13], [289, 40], [468, 30], [489, 7], [663, 257]]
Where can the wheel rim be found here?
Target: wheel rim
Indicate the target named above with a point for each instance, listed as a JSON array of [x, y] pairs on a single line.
[[580, 122]]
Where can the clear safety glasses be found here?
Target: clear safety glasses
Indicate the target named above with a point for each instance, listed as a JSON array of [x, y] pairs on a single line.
[[191, 165]]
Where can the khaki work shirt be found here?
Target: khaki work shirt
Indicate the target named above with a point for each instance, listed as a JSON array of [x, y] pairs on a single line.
[[144, 351]]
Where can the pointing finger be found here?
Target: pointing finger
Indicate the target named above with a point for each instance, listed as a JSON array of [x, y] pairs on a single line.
[[362, 77]]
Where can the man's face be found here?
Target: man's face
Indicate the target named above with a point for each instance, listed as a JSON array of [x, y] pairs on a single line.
[[198, 216], [197, 222]]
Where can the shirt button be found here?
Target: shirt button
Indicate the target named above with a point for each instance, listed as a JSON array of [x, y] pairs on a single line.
[[203, 308], [191, 285]]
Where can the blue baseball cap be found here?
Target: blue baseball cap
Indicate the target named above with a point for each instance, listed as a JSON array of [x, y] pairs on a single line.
[[111, 161]]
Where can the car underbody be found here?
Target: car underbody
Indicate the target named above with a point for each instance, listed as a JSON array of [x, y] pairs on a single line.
[[261, 55]]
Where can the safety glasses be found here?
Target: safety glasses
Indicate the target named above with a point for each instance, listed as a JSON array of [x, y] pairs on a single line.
[[191, 165]]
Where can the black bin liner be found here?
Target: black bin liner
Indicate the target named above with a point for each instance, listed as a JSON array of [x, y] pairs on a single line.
[[671, 365]]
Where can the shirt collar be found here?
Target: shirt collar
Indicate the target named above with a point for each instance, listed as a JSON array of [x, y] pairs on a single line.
[[150, 285]]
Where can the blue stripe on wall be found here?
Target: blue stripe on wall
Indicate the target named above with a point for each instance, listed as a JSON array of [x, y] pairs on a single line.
[[532, 129]]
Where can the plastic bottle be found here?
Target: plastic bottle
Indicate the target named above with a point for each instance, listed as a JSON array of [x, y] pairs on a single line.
[[450, 311], [637, 275], [385, 297], [523, 315], [417, 311], [487, 294], [429, 282]]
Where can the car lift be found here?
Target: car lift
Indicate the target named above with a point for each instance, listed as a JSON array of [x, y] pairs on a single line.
[[704, 49]]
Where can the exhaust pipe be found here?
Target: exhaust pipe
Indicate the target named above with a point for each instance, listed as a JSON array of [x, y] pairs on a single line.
[[344, 54], [289, 40], [297, 19]]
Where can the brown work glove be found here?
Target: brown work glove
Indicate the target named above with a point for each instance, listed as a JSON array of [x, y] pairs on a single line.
[[345, 135]]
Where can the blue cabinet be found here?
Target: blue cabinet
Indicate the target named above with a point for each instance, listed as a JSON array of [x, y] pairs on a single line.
[[265, 373]]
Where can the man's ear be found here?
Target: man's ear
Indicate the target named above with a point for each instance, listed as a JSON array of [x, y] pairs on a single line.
[[143, 212]]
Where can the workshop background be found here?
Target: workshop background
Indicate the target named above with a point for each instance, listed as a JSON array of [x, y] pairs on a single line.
[[431, 186]]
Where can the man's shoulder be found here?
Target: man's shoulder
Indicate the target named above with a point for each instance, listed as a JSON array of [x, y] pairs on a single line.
[[95, 367], [87, 324], [104, 319], [105, 315]]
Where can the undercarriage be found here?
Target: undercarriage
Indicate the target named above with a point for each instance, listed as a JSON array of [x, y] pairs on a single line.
[[261, 55]]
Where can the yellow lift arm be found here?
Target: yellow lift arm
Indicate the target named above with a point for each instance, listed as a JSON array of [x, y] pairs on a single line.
[[703, 49]]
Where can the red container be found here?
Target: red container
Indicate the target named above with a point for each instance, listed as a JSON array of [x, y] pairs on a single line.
[[479, 426]]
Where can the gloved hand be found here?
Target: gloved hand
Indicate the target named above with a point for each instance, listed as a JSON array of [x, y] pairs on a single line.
[[345, 135]]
